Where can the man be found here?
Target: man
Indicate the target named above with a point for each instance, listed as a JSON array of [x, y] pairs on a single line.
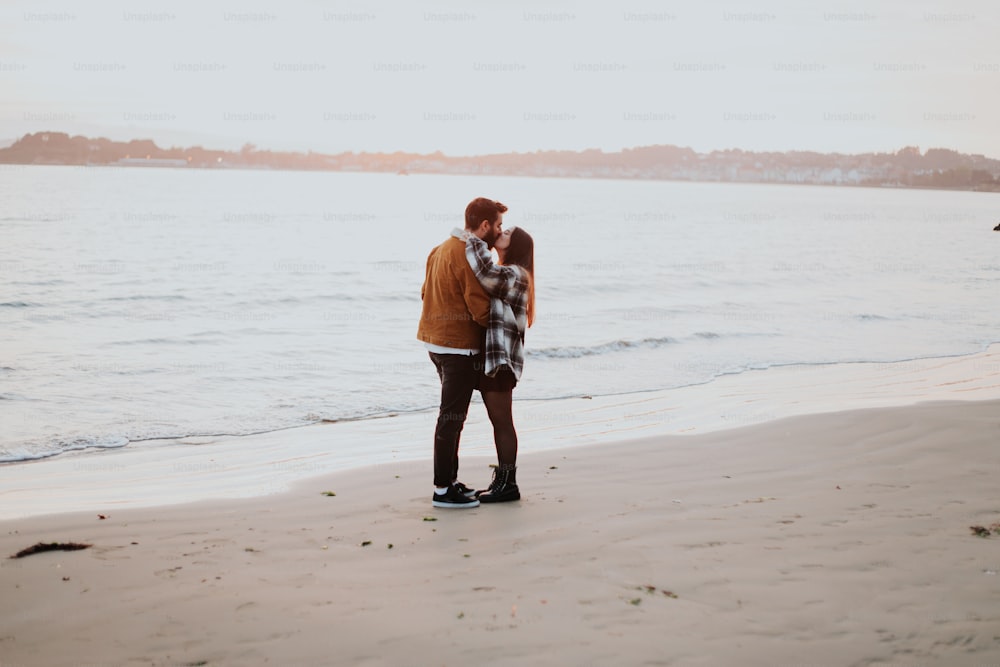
[[452, 326]]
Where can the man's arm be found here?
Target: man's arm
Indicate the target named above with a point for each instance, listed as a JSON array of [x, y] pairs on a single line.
[[427, 272]]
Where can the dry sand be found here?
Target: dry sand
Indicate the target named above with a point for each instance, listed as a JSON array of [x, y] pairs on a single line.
[[831, 539]]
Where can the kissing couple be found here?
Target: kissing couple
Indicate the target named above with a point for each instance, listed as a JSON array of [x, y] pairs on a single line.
[[474, 316]]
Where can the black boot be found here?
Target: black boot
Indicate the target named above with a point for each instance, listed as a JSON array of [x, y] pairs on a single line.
[[503, 488]]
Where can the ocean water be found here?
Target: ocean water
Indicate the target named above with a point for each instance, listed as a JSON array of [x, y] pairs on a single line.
[[140, 304]]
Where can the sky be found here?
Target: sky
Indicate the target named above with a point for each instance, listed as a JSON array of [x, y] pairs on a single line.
[[468, 78]]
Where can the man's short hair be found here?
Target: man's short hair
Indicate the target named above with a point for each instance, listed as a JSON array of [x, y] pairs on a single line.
[[480, 209]]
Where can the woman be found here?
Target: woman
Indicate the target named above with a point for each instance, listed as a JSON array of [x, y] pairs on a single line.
[[511, 286]]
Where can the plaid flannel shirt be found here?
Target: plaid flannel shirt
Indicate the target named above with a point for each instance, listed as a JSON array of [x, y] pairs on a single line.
[[508, 290]]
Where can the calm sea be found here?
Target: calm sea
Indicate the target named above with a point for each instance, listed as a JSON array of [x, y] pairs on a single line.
[[138, 304]]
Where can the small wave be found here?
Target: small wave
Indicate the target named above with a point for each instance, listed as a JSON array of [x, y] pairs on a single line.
[[708, 335], [397, 296], [149, 297], [867, 317], [29, 452], [40, 283], [149, 341], [297, 300], [32, 451], [370, 296], [17, 304], [258, 303], [575, 352]]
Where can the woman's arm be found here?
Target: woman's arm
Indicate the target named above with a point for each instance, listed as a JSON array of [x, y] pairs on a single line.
[[498, 281]]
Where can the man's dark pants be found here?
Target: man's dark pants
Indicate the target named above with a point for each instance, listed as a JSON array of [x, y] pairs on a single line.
[[459, 375]]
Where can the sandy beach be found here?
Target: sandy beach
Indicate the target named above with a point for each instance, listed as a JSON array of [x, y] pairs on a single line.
[[840, 538]]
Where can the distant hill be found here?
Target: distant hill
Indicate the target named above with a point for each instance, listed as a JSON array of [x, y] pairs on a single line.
[[908, 167]]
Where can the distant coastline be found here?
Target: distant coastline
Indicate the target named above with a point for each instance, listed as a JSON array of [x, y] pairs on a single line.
[[938, 168]]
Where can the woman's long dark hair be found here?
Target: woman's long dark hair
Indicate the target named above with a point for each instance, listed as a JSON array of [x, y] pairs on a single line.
[[521, 252]]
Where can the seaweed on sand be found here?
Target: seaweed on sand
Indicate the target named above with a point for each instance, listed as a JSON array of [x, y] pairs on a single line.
[[51, 546]]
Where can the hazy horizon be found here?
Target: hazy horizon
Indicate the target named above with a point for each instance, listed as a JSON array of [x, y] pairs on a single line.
[[6, 142], [392, 76]]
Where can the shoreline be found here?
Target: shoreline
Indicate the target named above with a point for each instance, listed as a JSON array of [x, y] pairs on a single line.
[[837, 538], [87, 450], [170, 472]]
